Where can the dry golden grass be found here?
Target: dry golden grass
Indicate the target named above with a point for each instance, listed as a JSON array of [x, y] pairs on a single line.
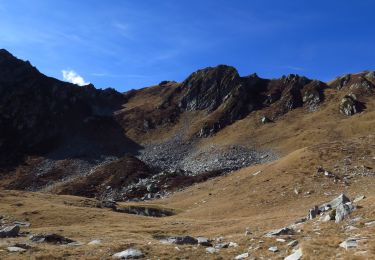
[[224, 206]]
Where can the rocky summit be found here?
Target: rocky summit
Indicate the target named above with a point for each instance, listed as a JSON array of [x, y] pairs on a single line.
[[218, 166]]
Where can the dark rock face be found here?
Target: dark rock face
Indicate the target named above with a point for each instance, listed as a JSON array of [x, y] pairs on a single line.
[[207, 88], [11, 231], [40, 114]]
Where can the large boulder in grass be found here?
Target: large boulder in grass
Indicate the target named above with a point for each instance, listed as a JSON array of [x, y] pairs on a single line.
[[349, 105]]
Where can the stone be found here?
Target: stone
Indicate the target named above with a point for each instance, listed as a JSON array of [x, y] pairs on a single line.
[[242, 256], [359, 198], [130, 253], [348, 244], [349, 105], [297, 255], [203, 241], [212, 250], [350, 228], [11, 231], [281, 240], [279, 232], [51, 238], [183, 240], [370, 75], [333, 204], [108, 204], [95, 242], [222, 245], [326, 218], [371, 223], [232, 244], [292, 243], [343, 210], [22, 224], [313, 213], [265, 120], [15, 249], [273, 249]]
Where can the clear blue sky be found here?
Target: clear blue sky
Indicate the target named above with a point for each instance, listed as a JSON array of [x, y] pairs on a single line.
[[132, 44]]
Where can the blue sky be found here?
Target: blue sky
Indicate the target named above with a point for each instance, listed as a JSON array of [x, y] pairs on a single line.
[[132, 44]]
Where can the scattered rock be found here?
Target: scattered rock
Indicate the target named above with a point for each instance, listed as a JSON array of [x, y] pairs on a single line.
[[232, 244], [146, 211], [265, 120], [130, 253], [343, 210], [95, 242], [297, 255], [203, 241], [350, 228], [242, 256], [11, 231], [15, 249], [359, 198], [372, 223], [222, 245], [281, 240], [280, 232], [273, 249], [349, 105], [292, 243], [22, 224], [108, 204], [51, 238], [333, 204], [350, 243], [183, 240], [212, 250], [313, 213]]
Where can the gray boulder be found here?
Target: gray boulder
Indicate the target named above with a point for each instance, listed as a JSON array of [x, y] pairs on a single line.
[[15, 249], [297, 255], [183, 240], [333, 204], [350, 243], [203, 241], [51, 238], [313, 213], [349, 105], [280, 232], [130, 253], [343, 210], [11, 231]]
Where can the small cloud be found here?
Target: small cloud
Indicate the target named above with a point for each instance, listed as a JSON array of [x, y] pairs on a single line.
[[123, 29], [294, 68], [72, 77]]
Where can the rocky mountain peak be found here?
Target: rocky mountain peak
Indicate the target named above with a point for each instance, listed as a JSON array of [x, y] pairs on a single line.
[[207, 88]]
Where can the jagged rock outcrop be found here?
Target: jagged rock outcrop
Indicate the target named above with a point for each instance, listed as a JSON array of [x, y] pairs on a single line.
[[207, 88], [349, 105], [228, 97]]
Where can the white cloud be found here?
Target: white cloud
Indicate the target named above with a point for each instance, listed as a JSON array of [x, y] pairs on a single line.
[[72, 77]]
